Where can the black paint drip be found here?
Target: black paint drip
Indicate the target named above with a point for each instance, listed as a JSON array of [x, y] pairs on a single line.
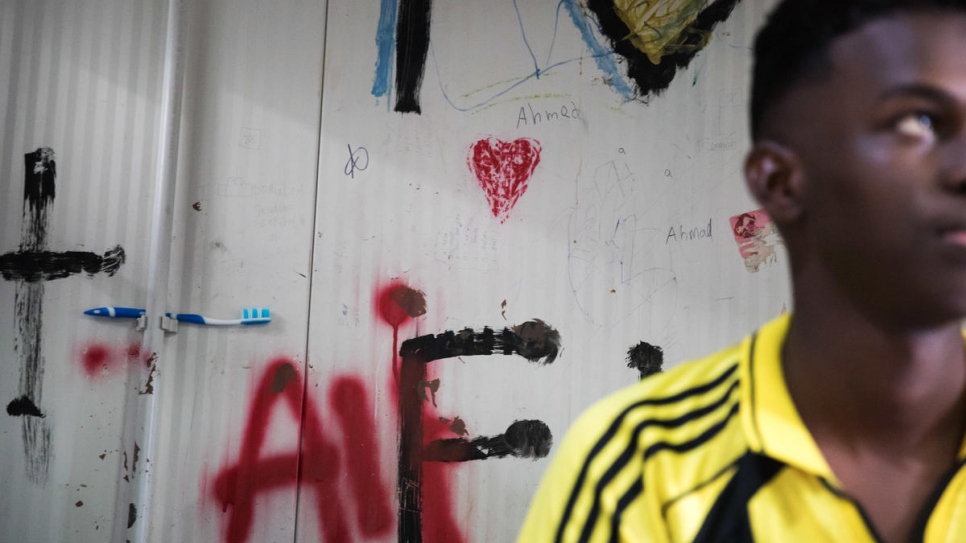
[[653, 78], [412, 45], [40, 172], [645, 358]]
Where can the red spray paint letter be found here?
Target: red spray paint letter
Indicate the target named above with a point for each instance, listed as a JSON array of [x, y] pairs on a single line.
[[323, 465]]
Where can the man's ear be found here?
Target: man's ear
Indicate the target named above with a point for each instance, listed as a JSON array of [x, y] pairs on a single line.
[[775, 178]]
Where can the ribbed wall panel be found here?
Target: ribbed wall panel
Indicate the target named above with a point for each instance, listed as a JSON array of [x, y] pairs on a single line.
[[81, 78], [265, 215]]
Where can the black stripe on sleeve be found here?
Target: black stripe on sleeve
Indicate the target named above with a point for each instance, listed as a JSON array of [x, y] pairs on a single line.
[[689, 445], [728, 520], [632, 493], [631, 448], [615, 426]]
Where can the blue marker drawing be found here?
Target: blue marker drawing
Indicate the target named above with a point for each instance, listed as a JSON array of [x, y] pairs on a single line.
[[603, 56], [523, 32], [249, 316], [386, 42], [116, 312]]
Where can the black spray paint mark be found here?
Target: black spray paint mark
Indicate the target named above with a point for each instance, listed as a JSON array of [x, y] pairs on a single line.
[[132, 515], [412, 45], [35, 266], [523, 439], [23, 407], [649, 77], [535, 341], [30, 267], [645, 358]]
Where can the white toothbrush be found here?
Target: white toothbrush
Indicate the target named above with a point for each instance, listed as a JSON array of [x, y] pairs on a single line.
[[254, 315]]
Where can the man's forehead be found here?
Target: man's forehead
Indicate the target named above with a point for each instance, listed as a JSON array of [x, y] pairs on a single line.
[[903, 48]]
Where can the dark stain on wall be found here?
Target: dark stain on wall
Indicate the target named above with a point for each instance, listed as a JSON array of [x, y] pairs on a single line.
[[645, 358]]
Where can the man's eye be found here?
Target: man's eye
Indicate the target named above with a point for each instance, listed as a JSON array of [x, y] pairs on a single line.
[[917, 125]]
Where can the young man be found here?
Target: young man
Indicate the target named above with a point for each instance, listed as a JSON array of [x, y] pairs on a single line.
[[844, 421]]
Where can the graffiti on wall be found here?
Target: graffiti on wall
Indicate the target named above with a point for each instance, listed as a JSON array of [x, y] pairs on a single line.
[[757, 238], [503, 169], [30, 266], [337, 467], [611, 247], [338, 461], [535, 341], [647, 359], [649, 42], [658, 37]]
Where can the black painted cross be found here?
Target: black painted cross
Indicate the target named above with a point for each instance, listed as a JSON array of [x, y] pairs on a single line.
[[30, 267]]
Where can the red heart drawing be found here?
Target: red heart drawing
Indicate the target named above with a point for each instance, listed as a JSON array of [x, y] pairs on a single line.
[[503, 169]]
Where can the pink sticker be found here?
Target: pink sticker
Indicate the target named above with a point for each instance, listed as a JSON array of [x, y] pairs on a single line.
[[757, 238]]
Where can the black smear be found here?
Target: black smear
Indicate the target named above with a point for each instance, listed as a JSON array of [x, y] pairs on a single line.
[[23, 407], [645, 358], [34, 266], [653, 78], [412, 45], [534, 340], [132, 515], [41, 170], [523, 439]]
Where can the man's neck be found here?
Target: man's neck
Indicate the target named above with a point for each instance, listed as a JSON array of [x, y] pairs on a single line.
[[874, 383]]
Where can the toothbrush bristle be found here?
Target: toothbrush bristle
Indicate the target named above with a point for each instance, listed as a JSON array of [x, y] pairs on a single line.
[[255, 313]]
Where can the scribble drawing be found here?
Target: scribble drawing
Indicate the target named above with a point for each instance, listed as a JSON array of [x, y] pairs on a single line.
[[611, 249], [757, 238], [30, 267], [535, 341], [338, 460], [653, 39], [503, 169]]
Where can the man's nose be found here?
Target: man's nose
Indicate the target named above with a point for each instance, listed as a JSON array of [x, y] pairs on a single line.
[[953, 176]]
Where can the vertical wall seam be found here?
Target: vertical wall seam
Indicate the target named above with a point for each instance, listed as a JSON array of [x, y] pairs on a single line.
[[313, 241]]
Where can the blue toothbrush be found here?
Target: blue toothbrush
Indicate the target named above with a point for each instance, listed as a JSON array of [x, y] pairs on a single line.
[[249, 316], [116, 312]]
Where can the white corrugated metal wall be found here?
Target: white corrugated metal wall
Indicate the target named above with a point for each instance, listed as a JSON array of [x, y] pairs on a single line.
[[270, 212]]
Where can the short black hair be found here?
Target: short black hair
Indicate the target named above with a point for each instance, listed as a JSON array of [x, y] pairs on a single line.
[[794, 43]]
